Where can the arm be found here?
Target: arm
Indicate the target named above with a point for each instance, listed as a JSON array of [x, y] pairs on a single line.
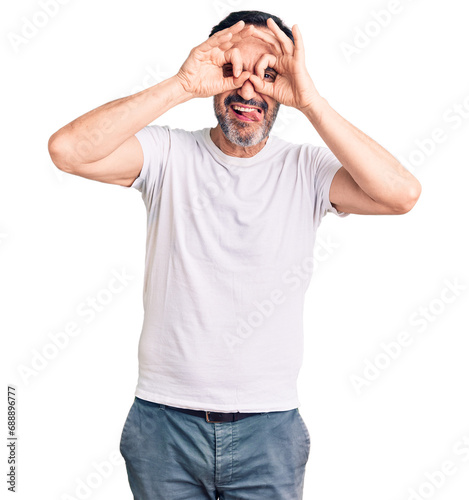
[[101, 145], [371, 180]]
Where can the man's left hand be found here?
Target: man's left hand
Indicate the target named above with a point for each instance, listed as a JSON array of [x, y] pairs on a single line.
[[290, 83]]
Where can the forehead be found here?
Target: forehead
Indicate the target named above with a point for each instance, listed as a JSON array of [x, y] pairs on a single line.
[[252, 48]]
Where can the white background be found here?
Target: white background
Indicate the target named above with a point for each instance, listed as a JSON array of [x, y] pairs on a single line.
[[62, 237]]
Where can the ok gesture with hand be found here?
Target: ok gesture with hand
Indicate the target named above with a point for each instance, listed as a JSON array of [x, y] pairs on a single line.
[[201, 75], [290, 83]]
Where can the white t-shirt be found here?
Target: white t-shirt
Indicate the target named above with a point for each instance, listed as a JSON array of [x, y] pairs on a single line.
[[228, 260]]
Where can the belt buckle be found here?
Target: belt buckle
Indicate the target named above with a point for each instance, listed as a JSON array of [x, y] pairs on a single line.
[[207, 418]]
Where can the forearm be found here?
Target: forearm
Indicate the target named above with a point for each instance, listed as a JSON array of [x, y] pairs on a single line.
[[373, 168], [99, 132]]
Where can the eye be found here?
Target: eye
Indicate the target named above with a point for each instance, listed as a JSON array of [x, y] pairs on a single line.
[[227, 70], [270, 76]]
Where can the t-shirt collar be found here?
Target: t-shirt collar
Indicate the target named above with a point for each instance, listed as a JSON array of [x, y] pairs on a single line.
[[235, 160]]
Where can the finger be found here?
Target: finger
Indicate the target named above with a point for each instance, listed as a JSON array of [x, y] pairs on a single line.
[[221, 37], [232, 83], [299, 45], [243, 77], [234, 57], [268, 38], [225, 46], [260, 86], [236, 28], [267, 60], [223, 42], [244, 33], [285, 42]]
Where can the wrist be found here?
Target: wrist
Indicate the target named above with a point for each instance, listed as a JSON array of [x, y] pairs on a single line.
[[314, 108], [176, 90]]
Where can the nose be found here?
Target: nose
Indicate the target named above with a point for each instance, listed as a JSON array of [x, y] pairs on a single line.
[[247, 91]]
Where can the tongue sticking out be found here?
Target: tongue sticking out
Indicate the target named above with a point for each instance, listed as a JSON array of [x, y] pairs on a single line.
[[253, 114]]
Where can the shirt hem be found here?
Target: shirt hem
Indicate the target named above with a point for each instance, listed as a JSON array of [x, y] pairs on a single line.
[[197, 405]]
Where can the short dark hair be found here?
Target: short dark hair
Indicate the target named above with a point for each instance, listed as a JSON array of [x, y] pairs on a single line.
[[254, 17]]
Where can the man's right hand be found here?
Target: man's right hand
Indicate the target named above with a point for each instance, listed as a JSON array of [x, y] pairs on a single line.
[[202, 74], [101, 144]]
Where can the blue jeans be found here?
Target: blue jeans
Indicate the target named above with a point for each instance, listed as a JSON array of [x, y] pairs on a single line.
[[175, 456]]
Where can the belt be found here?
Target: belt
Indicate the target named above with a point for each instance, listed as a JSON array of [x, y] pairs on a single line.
[[213, 416]]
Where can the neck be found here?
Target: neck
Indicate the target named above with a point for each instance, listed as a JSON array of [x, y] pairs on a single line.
[[231, 149]]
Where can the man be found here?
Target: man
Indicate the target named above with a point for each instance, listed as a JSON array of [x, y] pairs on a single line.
[[232, 217]]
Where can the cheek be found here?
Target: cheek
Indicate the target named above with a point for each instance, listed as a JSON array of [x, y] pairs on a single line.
[[273, 107], [218, 104], [220, 97], [272, 103]]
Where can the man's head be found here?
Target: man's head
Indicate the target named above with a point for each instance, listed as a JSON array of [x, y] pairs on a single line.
[[245, 116]]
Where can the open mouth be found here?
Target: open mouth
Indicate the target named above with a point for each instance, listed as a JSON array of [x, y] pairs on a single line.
[[247, 113]]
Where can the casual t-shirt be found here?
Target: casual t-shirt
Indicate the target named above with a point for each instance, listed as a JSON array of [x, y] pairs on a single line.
[[229, 257]]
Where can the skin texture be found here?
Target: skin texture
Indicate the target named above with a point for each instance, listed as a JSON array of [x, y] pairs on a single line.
[[371, 180], [246, 139], [259, 68]]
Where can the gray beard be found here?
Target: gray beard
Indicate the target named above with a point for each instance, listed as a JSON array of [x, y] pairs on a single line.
[[235, 131]]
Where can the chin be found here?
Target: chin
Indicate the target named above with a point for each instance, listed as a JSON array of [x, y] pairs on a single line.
[[243, 138]]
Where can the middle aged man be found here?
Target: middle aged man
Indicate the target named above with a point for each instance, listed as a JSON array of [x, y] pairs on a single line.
[[232, 218]]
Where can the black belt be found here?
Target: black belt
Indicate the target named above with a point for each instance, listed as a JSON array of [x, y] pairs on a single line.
[[213, 416]]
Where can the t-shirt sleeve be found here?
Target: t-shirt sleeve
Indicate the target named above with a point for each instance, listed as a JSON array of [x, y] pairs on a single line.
[[155, 142], [324, 166]]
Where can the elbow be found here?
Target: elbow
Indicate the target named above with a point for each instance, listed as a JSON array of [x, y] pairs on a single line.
[[60, 152], [408, 200]]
